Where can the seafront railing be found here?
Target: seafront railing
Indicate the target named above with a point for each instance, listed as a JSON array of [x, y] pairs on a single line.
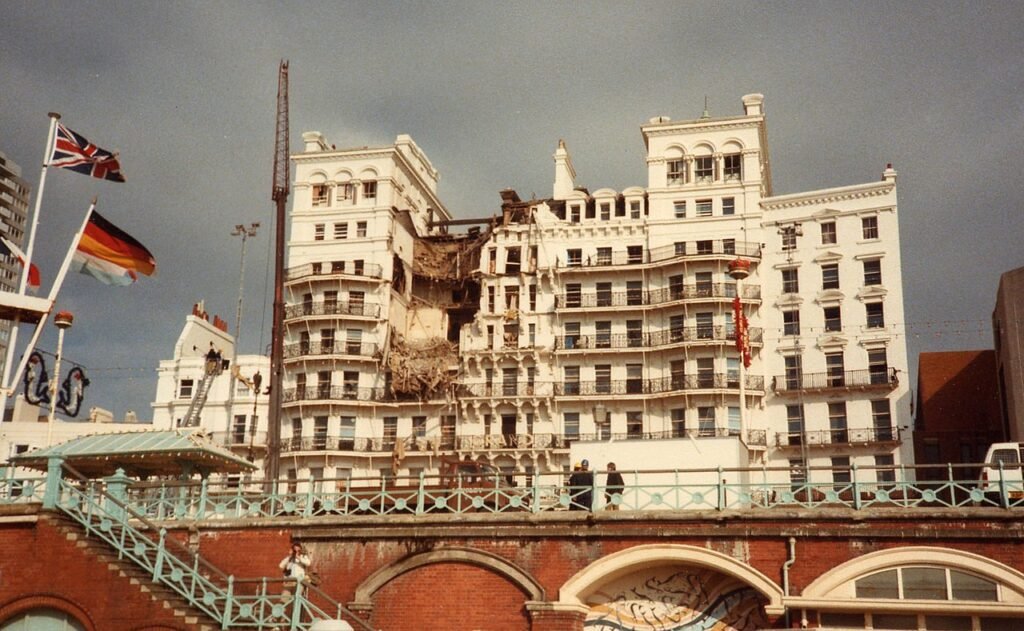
[[101, 508], [719, 489]]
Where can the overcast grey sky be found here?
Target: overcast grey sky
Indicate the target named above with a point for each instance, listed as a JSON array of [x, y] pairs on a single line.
[[186, 93]]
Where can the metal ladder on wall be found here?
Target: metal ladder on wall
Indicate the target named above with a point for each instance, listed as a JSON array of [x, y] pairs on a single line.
[[202, 392], [234, 603]]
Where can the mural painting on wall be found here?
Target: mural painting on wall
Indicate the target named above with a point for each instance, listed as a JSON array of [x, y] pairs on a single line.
[[674, 599]]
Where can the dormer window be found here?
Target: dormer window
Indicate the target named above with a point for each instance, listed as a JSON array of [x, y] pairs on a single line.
[[703, 169], [733, 167], [676, 172]]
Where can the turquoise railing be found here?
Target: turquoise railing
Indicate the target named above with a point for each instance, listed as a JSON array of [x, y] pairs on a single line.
[[20, 490], [261, 603], [764, 488]]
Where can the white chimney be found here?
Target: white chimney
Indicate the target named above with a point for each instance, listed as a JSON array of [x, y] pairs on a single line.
[[565, 175], [753, 104]]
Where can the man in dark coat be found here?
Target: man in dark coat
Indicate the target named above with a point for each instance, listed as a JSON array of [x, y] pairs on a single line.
[[581, 488]]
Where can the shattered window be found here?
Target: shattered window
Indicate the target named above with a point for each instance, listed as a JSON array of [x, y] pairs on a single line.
[[513, 259]]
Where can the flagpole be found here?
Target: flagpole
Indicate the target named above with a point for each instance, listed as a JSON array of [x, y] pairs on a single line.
[[12, 339], [57, 282]]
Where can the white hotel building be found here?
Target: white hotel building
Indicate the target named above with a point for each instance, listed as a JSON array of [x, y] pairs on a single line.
[[593, 323]]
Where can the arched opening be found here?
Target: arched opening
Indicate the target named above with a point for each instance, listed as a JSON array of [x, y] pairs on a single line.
[[42, 619], [672, 586]]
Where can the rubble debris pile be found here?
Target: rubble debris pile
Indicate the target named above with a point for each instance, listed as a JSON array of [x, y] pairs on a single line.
[[451, 258], [421, 368]]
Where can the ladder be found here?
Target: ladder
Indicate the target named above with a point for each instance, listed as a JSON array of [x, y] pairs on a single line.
[[196, 407]]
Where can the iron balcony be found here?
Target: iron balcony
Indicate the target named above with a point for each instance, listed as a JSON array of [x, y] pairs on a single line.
[[328, 308], [839, 437], [650, 297], [652, 339], [836, 381]]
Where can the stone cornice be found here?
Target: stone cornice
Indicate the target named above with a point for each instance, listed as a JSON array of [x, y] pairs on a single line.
[[719, 124], [858, 191]]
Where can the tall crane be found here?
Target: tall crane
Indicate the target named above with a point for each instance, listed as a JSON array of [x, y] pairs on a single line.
[[280, 196]]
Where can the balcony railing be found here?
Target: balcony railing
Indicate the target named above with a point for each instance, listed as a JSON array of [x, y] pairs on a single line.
[[716, 333], [647, 297], [366, 309], [501, 389], [242, 438], [425, 444], [302, 349], [365, 444], [840, 437], [664, 253], [327, 268], [342, 393], [846, 380], [664, 385], [564, 441]]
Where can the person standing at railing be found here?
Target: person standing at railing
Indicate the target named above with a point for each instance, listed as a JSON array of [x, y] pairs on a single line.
[[614, 485], [581, 488], [295, 564]]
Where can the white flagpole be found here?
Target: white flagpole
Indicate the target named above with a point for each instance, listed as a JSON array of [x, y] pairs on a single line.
[[12, 339], [57, 282]]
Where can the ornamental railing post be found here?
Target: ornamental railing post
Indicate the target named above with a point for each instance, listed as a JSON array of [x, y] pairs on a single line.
[[1004, 499], [204, 496], [310, 495], [721, 489], [593, 492], [54, 469], [535, 493], [225, 620], [300, 596], [420, 495], [856, 488], [160, 551], [117, 488]]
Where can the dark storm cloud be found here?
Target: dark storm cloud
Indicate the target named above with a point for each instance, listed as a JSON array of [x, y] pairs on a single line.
[[186, 92]]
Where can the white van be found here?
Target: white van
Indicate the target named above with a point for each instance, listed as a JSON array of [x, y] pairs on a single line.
[[1010, 456]]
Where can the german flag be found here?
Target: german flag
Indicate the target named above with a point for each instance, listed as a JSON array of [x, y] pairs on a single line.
[[110, 254]]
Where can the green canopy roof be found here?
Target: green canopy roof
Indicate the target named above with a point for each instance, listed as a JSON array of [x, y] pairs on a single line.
[[142, 453]]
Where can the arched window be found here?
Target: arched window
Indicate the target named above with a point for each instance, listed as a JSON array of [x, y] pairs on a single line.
[[42, 619]]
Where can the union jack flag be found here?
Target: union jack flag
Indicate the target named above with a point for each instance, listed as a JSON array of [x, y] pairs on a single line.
[[73, 151]]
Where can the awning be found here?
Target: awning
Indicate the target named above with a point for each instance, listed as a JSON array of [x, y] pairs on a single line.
[[146, 453]]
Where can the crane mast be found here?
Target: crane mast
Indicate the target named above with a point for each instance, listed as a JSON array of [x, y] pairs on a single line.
[[279, 195]]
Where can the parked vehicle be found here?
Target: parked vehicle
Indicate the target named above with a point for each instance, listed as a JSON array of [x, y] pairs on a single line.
[[1003, 468]]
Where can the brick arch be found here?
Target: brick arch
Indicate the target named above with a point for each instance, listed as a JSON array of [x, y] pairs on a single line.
[[519, 577], [853, 569], [637, 557], [47, 601]]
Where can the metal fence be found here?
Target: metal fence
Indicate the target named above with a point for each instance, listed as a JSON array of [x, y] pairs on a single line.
[[751, 489]]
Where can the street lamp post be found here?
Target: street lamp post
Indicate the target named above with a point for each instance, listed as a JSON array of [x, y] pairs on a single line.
[[239, 231], [63, 321], [739, 270]]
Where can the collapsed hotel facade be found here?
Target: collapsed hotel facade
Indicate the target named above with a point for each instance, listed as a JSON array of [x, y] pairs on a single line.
[[564, 325]]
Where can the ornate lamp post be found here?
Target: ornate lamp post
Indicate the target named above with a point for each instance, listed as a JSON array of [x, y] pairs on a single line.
[[63, 321], [739, 270]]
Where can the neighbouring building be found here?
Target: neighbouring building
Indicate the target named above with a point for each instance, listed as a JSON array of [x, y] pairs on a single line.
[[958, 413], [14, 194], [222, 395], [590, 324], [1008, 330], [25, 428]]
